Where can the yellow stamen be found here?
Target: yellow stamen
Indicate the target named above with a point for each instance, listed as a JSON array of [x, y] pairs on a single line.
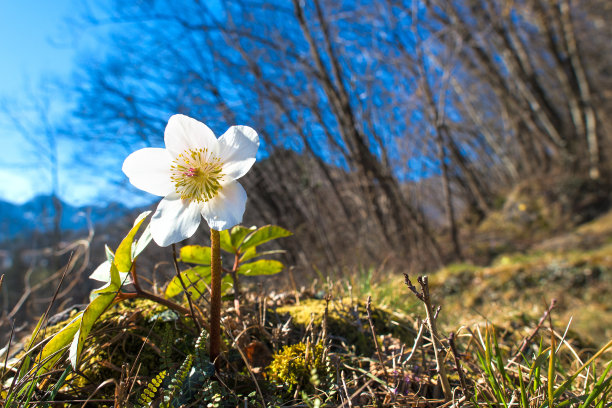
[[196, 174]]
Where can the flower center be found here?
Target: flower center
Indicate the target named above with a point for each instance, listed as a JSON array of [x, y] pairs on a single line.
[[196, 174]]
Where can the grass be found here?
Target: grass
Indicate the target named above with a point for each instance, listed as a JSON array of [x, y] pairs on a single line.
[[139, 354], [497, 344]]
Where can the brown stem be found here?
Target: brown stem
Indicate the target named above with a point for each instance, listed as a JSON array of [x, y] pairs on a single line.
[[215, 296], [234, 273], [528, 340], [157, 299], [371, 322], [432, 315], [135, 277], [435, 339], [451, 342], [178, 274]]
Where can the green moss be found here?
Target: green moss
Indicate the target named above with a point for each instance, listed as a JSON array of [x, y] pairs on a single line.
[[347, 321], [135, 332], [301, 365]]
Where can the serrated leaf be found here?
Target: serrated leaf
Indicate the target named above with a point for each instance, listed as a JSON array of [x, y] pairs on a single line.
[[225, 241], [123, 254], [89, 317], [51, 351], [263, 235], [190, 277], [261, 267], [196, 254]]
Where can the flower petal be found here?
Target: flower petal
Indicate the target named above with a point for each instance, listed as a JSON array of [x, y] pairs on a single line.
[[184, 133], [149, 169], [237, 149], [174, 220], [227, 208]]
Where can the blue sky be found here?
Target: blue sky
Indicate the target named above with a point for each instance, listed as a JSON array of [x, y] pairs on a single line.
[[33, 50], [32, 42], [38, 50]]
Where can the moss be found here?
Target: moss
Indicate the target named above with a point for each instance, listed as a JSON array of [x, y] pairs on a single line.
[[135, 332], [300, 365], [347, 321], [579, 280]]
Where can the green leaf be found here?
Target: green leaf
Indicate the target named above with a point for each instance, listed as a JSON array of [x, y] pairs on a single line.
[[252, 253], [87, 321], [261, 267], [196, 280], [196, 254], [109, 253], [190, 277], [225, 241], [142, 243], [123, 254], [51, 351], [237, 235], [263, 235]]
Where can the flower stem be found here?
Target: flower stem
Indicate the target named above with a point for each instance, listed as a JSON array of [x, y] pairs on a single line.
[[215, 296]]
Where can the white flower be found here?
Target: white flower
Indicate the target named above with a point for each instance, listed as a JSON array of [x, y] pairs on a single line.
[[196, 174]]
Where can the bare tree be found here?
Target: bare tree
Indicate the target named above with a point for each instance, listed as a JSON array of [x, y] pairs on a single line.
[[351, 97]]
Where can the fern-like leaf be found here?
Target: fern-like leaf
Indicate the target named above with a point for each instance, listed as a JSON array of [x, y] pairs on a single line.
[[177, 382], [148, 394]]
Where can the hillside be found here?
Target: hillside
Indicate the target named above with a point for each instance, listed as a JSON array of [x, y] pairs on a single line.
[[37, 214], [316, 343]]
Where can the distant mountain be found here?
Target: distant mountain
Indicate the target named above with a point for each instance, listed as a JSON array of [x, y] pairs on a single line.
[[38, 214]]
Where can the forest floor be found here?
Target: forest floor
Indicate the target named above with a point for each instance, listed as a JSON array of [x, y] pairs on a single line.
[[530, 328]]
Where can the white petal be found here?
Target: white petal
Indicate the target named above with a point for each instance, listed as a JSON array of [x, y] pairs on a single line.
[[184, 133], [149, 169], [174, 220], [237, 149], [227, 208]]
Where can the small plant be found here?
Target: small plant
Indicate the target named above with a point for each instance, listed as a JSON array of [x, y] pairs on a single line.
[[242, 243], [301, 365], [186, 384]]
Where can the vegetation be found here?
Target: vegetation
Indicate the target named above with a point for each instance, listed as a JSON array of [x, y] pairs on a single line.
[[501, 341], [441, 166]]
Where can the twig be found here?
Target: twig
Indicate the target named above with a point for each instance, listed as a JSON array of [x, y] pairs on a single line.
[[57, 289], [451, 341], [234, 274], [417, 342], [215, 297], [348, 402], [162, 301], [369, 312], [423, 295], [178, 274], [8, 350], [529, 339]]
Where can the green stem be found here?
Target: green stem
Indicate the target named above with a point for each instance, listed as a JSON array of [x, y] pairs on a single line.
[[215, 296]]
